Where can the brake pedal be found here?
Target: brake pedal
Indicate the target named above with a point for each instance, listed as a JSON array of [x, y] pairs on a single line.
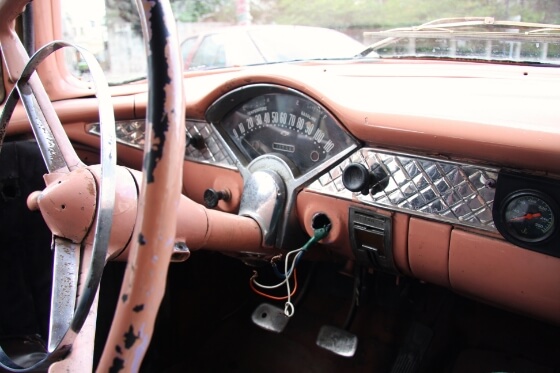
[[270, 318]]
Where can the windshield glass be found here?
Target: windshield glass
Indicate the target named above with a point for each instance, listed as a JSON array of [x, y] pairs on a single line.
[[225, 33], [476, 38]]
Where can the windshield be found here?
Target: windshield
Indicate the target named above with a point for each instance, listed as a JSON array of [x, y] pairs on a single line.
[[224, 33], [476, 38]]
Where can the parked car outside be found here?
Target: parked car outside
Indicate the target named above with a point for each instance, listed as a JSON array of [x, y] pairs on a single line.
[[251, 45]]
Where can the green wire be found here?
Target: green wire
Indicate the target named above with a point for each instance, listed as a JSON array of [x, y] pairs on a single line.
[[318, 235]]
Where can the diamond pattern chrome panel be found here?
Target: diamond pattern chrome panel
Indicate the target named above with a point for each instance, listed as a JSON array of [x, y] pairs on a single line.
[[214, 152], [131, 133], [437, 189]]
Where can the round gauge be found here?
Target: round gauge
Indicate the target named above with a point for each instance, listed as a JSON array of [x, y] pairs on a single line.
[[529, 216], [289, 125]]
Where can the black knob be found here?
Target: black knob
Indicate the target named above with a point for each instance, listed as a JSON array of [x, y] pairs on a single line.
[[357, 178], [196, 141], [212, 197]]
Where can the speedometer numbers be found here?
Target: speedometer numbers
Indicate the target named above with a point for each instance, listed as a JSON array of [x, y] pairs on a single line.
[[288, 125]]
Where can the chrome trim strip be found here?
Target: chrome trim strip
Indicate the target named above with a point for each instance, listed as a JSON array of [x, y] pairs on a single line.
[[453, 192]]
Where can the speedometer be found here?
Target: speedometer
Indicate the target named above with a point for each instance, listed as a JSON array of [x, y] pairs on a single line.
[[291, 126]]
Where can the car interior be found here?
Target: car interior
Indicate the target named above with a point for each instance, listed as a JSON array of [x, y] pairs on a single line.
[[368, 215]]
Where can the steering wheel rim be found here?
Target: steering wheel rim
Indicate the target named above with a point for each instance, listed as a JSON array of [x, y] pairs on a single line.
[[153, 239]]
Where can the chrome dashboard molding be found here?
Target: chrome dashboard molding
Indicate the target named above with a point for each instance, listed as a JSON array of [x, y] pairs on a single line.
[[448, 191], [214, 152], [437, 189], [131, 133]]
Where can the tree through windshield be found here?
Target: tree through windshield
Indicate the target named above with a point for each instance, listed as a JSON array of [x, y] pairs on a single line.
[[111, 29]]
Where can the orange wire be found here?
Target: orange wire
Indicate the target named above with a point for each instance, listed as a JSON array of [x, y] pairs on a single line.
[[252, 285]]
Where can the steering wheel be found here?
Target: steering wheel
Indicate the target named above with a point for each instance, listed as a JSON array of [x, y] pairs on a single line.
[[92, 191]]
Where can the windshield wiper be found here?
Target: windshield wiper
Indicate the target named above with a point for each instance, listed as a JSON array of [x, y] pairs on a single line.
[[468, 28]]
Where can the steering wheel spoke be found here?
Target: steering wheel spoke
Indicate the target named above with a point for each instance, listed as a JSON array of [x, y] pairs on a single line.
[[66, 271]]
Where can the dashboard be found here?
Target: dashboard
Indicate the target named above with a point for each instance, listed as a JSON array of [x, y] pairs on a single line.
[[448, 173]]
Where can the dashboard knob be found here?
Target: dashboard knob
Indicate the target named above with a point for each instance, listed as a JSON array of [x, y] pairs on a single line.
[[196, 141], [212, 197], [357, 178]]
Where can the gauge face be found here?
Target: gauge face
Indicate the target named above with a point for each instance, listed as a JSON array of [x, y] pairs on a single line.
[[529, 216], [290, 126]]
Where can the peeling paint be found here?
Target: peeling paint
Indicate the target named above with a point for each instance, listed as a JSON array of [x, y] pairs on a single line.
[[160, 78], [91, 189], [124, 297], [130, 338], [138, 308], [118, 364], [141, 239], [118, 349]]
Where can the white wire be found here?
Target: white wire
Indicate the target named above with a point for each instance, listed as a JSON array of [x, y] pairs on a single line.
[[289, 308], [288, 273]]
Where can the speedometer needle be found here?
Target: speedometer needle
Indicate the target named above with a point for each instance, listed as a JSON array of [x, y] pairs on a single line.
[[527, 216]]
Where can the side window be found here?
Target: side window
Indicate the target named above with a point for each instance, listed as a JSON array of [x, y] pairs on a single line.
[[111, 31], [210, 54]]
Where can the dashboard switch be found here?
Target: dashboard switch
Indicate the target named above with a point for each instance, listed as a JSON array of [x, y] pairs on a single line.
[[212, 197], [357, 178], [196, 141]]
